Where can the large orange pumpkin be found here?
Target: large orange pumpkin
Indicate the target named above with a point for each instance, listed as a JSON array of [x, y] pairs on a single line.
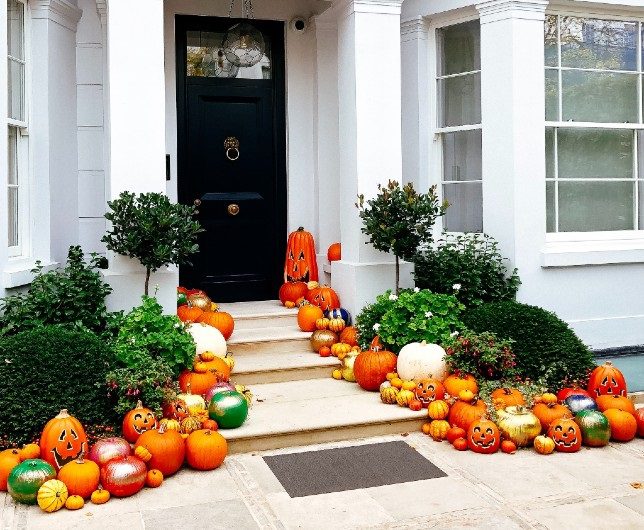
[[292, 291], [372, 366], [549, 412], [205, 449], [506, 397], [639, 417], [219, 366], [80, 476], [335, 252], [166, 447], [623, 425], [188, 313], [9, 458], [62, 440], [462, 414], [349, 335], [307, 315], [615, 402], [454, 383], [219, 319], [606, 380], [301, 261], [197, 383], [324, 297], [137, 421]]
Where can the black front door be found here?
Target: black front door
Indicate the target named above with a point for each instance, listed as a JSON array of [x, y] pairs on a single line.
[[231, 159]]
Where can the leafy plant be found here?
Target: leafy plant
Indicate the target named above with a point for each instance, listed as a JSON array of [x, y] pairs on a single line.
[[73, 296], [413, 316], [528, 388], [147, 335], [482, 355], [400, 220], [47, 369], [474, 262], [152, 230], [546, 349]]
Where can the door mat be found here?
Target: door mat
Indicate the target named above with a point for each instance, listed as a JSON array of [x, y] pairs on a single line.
[[350, 468]]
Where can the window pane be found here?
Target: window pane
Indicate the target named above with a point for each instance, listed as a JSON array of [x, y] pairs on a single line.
[[550, 36], [459, 48], [13, 156], [16, 90], [595, 153], [552, 95], [13, 216], [601, 44], [599, 97], [461, 100], [550, 207], [205, 58], [591, 206], [462, 155], [15, 25], [465, 213], [550, 153]]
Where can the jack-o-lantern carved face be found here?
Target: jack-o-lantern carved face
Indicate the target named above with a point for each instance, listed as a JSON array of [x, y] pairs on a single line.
[[63, 439], [139, 420], [176, 409], [324, 297], [566, 435], [69, 446], [606, 380], [143, 421], [301, 261], [428, 390], [483, 437]]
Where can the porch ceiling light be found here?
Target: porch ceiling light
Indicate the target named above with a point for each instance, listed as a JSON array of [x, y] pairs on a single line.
[[243, 44]]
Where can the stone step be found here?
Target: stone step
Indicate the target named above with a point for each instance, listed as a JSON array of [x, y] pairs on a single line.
[[268, 340], [261, 314], [254, 368], [320, 410]]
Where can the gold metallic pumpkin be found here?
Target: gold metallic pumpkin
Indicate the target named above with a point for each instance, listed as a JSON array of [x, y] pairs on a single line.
[[518, 424], [201, 301], [347, 366], [323, 337]]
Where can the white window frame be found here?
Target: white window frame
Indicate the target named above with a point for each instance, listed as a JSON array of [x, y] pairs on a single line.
[[437, 132], [23, 151]]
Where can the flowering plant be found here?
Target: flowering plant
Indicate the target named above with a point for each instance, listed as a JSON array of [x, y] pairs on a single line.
[[412, 316]]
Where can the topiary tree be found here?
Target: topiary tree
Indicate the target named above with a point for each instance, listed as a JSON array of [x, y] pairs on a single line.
[[544, 345], [47, 369], [153, 230], [400, 220]]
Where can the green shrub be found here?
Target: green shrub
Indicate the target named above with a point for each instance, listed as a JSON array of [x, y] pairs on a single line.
[[73, 296], [546, 349], [471, 261], [413, 316], [47, 369]]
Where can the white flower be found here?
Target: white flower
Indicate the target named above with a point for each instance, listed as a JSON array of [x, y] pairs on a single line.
[[429, 314], [416, 289], [376, 327], [177, 325], [393, 297], [145, 330], [453, 334], [456, 286]]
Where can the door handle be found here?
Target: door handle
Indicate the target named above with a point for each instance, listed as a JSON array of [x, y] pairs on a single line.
[[233, 209], [197, 202]]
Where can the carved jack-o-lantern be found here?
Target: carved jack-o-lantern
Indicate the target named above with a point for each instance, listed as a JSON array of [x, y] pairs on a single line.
[[63, 440], [483, 437], [177, 409], [606, 380], [324, 297], [137, 421], [428, 390], [301, 261], [566, 434]]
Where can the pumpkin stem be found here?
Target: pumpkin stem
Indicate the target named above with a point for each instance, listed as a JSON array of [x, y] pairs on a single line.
[[139, 404], [62, 414], [81, 458], [161, 429], [300, 229]]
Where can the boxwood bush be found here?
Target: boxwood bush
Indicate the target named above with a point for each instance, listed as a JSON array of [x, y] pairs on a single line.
[[45, 370], [546, 349]]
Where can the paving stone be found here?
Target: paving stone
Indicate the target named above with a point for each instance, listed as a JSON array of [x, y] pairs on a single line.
[[634, 502], [221, 515], [597, 514], [90, 517]]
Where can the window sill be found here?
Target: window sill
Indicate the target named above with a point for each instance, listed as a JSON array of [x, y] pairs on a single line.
[[18, 272], [577, 253]]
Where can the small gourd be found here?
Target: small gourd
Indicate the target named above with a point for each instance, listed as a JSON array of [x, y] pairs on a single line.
[[100, 496], [74, 502], [438, 430], [52, 495], [154, 478], [438, 410], [544, 445], [142, 453], [404, 397]]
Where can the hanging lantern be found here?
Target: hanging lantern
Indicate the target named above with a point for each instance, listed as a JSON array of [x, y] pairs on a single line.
[[243, 45]]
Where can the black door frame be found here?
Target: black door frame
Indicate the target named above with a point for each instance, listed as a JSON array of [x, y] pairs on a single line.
[[276, 31]]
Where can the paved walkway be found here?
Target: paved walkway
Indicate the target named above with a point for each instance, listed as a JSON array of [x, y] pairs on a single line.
[[590, 489]]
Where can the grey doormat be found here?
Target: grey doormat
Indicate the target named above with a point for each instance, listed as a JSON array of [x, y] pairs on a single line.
[[350, 468]]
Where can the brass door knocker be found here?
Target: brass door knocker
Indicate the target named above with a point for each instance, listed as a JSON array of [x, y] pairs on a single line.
[[231, 145]]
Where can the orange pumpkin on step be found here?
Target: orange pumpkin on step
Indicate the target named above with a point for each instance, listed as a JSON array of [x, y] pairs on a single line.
[[291, 291], [301, 261], [615, 402], [219, 319], [335, 252], [307, 315], [324, 297], [372, 366], [188, 313], [197, 383], [349, 335]]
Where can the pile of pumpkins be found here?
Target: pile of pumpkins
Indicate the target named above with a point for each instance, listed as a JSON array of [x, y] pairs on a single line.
[[63, 471], [195, 307]]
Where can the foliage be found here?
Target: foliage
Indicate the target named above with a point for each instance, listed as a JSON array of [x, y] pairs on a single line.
[[530, 389], [400, 220], [546, 349], [482, 355], [413, 316], [152, 229], [471, 260], [147, 335], [47, 369], [73, 296], [151, 383]]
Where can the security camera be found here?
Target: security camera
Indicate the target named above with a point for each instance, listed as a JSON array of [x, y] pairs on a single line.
[[299, 24]]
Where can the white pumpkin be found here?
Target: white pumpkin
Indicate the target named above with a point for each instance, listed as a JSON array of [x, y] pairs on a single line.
[[420, 360], [208, 338]]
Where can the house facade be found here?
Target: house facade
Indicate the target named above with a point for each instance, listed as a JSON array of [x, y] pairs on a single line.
[[526, 114]]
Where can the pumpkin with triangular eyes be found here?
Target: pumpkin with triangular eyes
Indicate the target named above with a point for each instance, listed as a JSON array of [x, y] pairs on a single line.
[[483, 437], [428, 390], [139, 420], [606, 380], [301, 260], [566, 434], [62, 440]]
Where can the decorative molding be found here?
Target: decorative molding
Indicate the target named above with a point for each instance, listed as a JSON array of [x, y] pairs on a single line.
[[416, 28], [101, 7], [61, 12], [496, 10], [347, 8]]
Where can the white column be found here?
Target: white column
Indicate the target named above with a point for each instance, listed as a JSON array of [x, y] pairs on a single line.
[[370, 137], [136, 131], [513, 109]]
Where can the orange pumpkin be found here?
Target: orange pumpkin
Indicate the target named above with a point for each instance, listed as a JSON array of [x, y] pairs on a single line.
[[301, 261], [219, 366], [615, 402], [80, 476], [428, 390], [454, 383], [177, 409], [137, 421], [307, 315], [460, 444], [372, 366], [324, 297], [154, 478], [606, 380], [549, 412], [9, 458], [462, 414], [166, 447], [197, 383], [639, 417], [349, 335], [506, 397], [291, 291], [219, 319], [509, 447], [335, 252], [623, 425], [566, 434], [206, 449], [63, 439], [483, 437], [188, 313], [29, 451], [455, 433]]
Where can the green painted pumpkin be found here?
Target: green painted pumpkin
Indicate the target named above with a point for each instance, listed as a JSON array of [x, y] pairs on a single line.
[[229, 409], [595, 428], [26, 478]]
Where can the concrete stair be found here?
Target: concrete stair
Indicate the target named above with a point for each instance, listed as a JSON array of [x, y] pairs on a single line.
[[296, 400]]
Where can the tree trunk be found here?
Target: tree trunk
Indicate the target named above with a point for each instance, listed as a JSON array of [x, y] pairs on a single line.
[[147, 280], [397, 276]]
